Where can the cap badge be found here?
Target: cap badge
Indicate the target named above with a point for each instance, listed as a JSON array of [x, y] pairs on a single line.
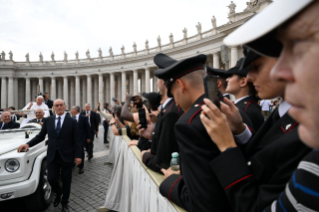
[[171, 79], [288, 126]]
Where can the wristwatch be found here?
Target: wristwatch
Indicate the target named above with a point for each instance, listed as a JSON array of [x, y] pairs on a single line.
[[112, 123]]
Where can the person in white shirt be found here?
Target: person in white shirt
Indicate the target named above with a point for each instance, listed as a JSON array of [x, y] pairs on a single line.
[[265, 104], [39, 103]]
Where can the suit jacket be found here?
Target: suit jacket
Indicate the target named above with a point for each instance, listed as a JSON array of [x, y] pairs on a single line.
[[10, 125], [256, 177], [197, 189], [164, 141], [36, 120], [68, 141], [84, 128], [250, 106], [94, 122], [49, 103]]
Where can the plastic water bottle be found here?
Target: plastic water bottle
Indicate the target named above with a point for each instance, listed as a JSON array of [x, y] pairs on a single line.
[[175, 161]]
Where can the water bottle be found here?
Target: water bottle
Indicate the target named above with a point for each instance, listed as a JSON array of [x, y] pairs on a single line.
[[175, 161]]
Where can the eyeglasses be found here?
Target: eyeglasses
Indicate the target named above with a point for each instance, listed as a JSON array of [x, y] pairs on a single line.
[[60, 105]]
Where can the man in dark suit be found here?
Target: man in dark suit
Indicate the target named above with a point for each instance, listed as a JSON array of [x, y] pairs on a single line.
[[84, 130], [93, 121], [39, 113], [14, 116], [64, 146], [48, 102], [7, 123]]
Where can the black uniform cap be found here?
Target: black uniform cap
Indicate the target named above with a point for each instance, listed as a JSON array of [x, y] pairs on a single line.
[[237, 71], [153, 97], [218, 72], [250, 56], [177, 69]]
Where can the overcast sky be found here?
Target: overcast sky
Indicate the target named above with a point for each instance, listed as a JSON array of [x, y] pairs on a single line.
[[34, 26]]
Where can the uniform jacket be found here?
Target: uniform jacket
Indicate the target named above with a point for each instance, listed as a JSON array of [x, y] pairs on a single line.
[[250, 106], [10, 125], [163, 139], [257, 175], [197, 189], [144, 143], [68, 141], [49, 103]]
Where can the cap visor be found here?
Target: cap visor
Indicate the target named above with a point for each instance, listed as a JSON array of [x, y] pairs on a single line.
[[264, 22]]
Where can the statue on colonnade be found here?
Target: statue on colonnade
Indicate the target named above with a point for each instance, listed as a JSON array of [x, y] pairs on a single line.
[[185, 33], [214, 22], [111, 52], [146, 45], [159, 41], [3, 54], [88, 54], [77, 55], [52, 57], [199, 28], [27, 58], [171, 38], [41, 57], [100, 53], [232, 8], [65, 57], [10, 55], [134, 47]]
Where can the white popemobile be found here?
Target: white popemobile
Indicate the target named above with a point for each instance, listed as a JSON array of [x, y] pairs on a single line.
[[24, 174]]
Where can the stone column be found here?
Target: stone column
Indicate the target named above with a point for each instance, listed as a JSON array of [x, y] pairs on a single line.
[[77, 91], [216, 60], [27, 91], [72, 93], [41, 88], [118, 88], [16, 90], [84, 92], [106, 89], [4, 93], [66, 89], [147, 80], [111, 88], [234, 56], [123, 86], [135, 88], [131, 84], [142, 82], [96, 92], [11, 92], [53, 88], [101, 85], [89, 89], [60, 89]]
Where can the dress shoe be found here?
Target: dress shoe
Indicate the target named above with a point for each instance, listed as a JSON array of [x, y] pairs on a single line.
[[107, 145], [81, 171], [90, 157], [65, 208], [57, 200]]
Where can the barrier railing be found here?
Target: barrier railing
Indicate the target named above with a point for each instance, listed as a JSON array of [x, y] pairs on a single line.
[[133, 186]]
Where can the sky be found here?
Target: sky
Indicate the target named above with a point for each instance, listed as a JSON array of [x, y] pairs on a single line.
[[34, 26]]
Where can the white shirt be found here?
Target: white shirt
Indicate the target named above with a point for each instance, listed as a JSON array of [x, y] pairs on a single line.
[[166, 102], [77, 117], [62, 120], [265, 104], [2, 125], [88, 112], [238, 100]]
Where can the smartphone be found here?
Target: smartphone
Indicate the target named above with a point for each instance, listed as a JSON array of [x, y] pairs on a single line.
[[211, 89], [113, 115], [142, 117]]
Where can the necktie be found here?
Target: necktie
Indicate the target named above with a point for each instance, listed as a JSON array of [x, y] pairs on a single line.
[[38, 120], [58, 126]]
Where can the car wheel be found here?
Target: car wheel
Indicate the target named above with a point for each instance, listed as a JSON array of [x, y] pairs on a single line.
[[42, 197]]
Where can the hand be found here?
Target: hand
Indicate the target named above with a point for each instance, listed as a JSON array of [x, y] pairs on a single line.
[[23, 146], [128, 97], [88, 140], [143, 152], [153, 116], [30, 105], [78, 161], [146, 133], [233, 117], [168, 172], [41, 123], [87, 115], [132, 142], [21, 114], [97, 133], [217, 126]]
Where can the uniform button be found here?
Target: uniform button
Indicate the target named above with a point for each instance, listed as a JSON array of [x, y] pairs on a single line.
[[196, 105], [153, 133], [249, 163]]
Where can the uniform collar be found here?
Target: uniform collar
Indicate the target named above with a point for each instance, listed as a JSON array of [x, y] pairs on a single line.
[[283, 107], [166, 102], [238, 100]]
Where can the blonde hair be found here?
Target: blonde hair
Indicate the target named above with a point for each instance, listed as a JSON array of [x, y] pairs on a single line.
[[133, 125]]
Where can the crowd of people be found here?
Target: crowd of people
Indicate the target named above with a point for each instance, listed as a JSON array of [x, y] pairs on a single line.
[[257, 153]]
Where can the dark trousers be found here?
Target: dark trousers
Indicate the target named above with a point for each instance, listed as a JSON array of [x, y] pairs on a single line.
[[106, 129], [81, 165], [56, 167], [89, 146]]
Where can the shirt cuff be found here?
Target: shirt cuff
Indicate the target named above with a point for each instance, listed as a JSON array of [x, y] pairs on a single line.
[[244, 137]]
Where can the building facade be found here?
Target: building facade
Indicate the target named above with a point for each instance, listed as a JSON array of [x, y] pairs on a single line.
[[99, 79]]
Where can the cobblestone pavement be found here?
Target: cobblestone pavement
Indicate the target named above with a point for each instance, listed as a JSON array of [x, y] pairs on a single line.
[[88, 190]]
